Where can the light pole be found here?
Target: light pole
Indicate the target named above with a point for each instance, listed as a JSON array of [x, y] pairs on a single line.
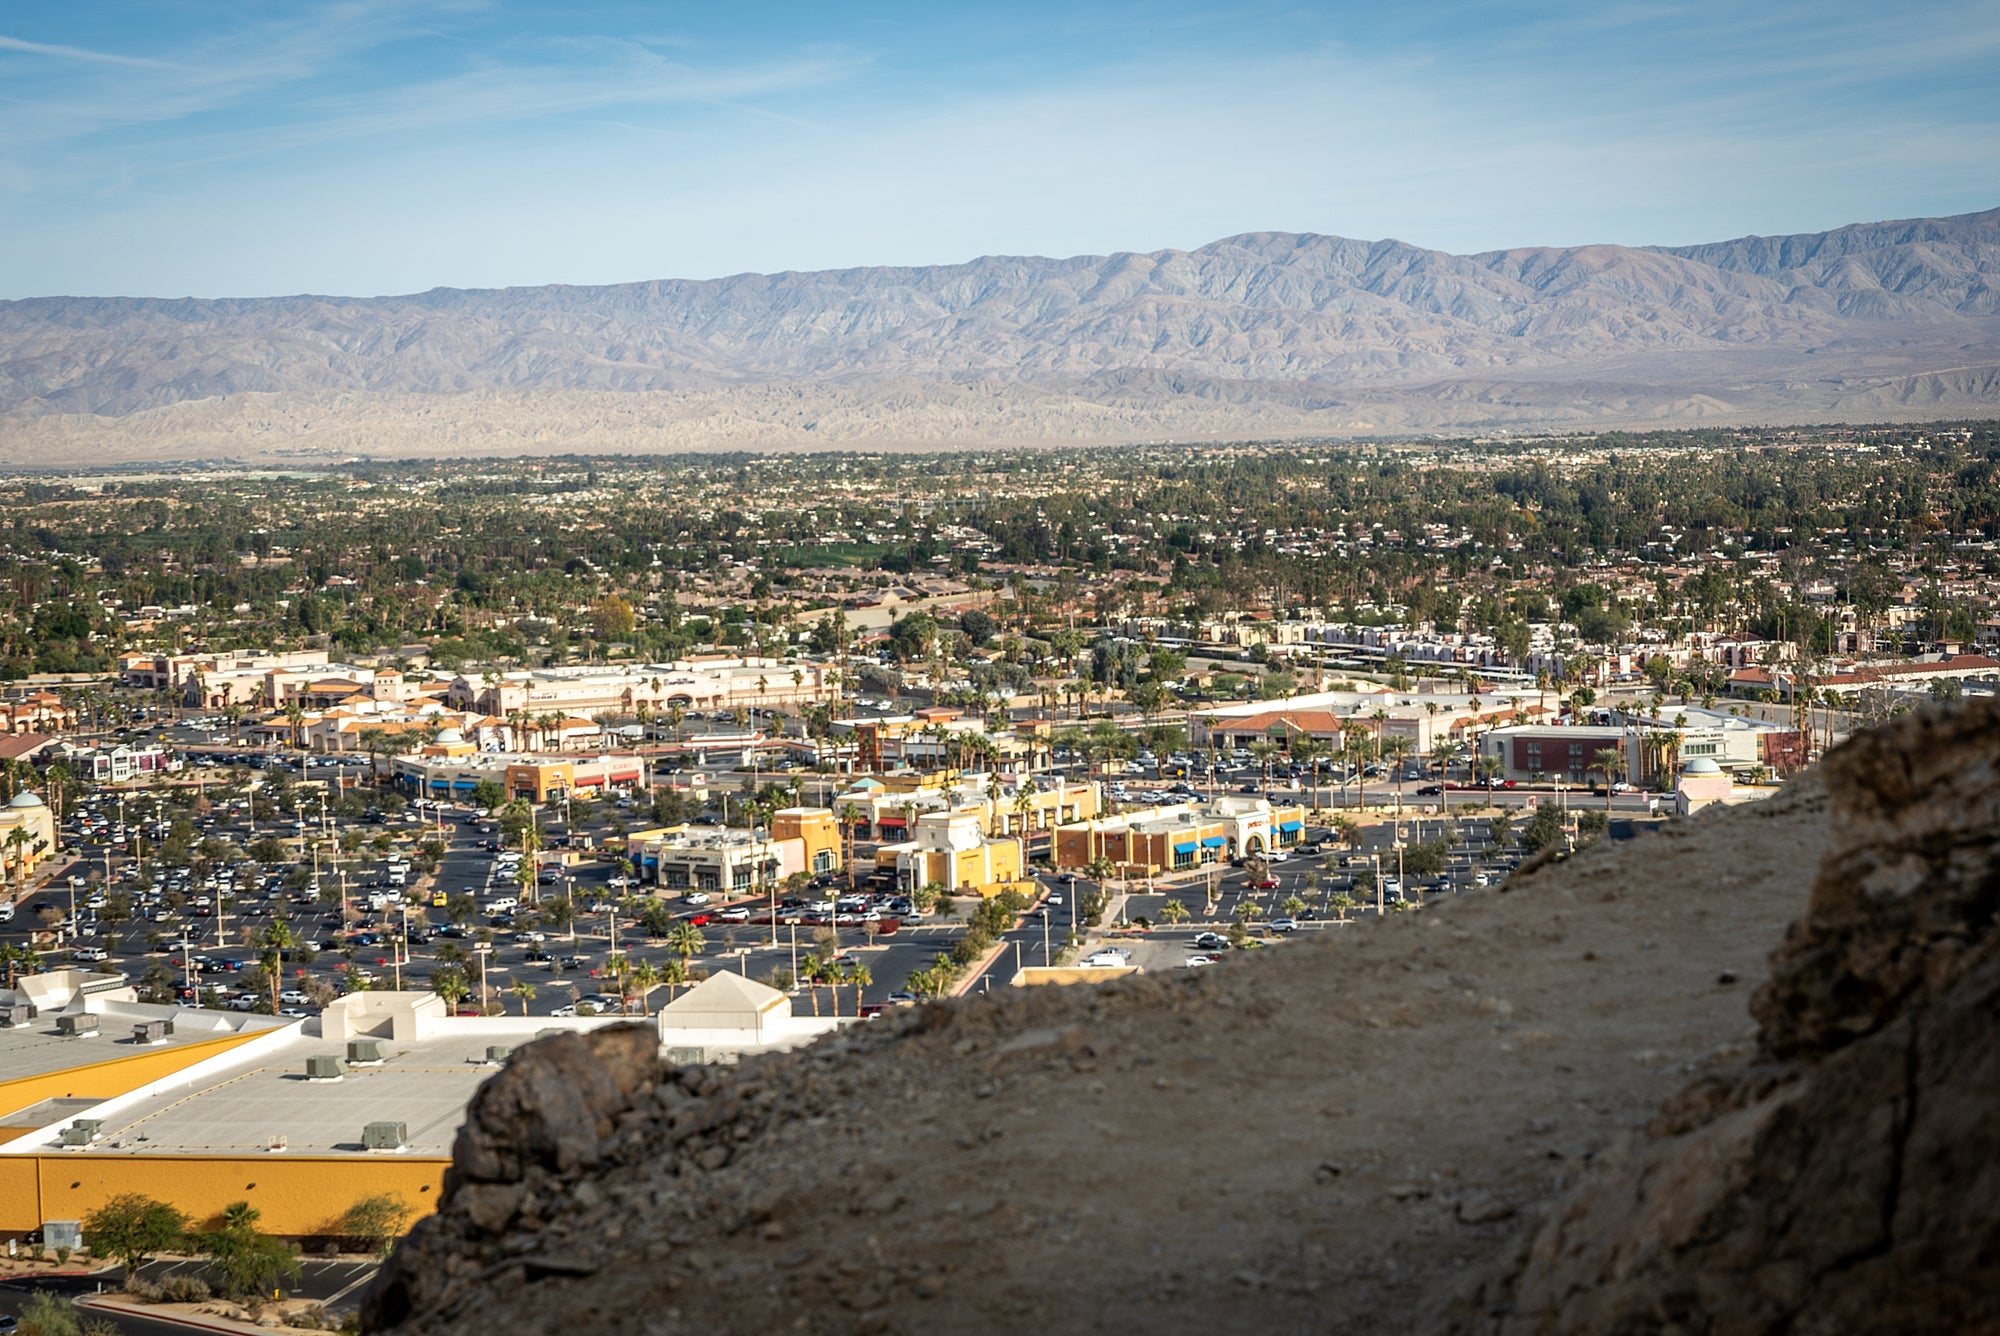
[[1048, 958], [482, 951], [74, 882]]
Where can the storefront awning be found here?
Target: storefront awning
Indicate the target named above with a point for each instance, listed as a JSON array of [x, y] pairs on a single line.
[[1186, 848], [1288, 826], [1213, 841]]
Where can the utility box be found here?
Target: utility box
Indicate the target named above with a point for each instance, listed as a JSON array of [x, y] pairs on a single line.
[[77, 1027], [686, 1057], [385, 1136], [365, 1052], [328, 1068], [62, 1234]]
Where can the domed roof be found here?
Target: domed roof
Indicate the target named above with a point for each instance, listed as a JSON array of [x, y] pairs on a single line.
[[26, 799], [1701, 765], [450, 736]]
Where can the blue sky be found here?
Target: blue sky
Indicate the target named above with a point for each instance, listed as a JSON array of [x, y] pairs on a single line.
[[246, 147]]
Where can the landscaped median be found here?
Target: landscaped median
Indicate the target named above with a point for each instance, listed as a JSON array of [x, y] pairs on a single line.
[[280, 1315]]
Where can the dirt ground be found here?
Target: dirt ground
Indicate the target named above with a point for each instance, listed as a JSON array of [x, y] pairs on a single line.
[[1327, 1136]]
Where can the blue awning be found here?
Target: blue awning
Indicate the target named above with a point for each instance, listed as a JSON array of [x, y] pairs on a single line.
[[1187, 848], [1213, 842], [1288, 826]]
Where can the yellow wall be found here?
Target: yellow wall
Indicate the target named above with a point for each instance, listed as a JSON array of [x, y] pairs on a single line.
[[115, 1076], [300, 1194], [817, 828]]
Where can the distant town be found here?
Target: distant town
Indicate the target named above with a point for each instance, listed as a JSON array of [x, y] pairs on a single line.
[[322, 791]]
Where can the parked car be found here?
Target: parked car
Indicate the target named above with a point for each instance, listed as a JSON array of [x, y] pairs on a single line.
[[1284, 925]]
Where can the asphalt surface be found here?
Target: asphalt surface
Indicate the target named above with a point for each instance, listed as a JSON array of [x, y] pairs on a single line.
[[217, 939]]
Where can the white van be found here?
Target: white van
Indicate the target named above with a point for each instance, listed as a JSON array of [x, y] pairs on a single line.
[[502, 904]]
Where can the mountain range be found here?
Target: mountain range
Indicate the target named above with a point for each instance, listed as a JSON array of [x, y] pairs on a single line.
[[1265, 333]]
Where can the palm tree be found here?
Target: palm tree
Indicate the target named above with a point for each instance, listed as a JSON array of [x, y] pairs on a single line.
[[861, 977], [1306, 751], [523, 992], [1174, 912], [645, 978], [1610, 761], [278, 939], [673, 975], [1442, 754], [1395, 749], [1342, 904], [686, 941], [17, 844], [1261, 752], [811, 967]]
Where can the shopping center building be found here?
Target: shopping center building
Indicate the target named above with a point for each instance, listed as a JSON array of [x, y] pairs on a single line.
[[1163, 839], [102, 1095]]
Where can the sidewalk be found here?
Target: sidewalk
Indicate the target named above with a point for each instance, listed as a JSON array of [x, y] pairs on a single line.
[[175, 1314]]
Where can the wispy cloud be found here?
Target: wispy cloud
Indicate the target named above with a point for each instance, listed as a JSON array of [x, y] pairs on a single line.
[[376, 145], [76, 53]]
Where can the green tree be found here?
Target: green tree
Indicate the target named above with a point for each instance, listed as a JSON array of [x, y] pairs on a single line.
[[375, 1222], [244, 1260], [130, 1228]]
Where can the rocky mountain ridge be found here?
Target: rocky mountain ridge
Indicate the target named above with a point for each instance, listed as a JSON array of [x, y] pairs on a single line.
[[1270, 308]]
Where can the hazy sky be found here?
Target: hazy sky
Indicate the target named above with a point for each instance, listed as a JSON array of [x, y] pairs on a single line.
[[231, 147]]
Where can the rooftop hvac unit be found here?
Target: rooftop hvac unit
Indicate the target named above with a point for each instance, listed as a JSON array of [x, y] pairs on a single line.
[[362, 1052], [90, 1127], [149, 1032], [686, 1057], [75, 1136], [326, 1068], [385, 1136], [497, 1053], [16, 1013], [79, 1026]]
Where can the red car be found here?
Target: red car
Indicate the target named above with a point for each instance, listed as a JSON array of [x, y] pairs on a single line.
[[1268, 884], [701, 920]]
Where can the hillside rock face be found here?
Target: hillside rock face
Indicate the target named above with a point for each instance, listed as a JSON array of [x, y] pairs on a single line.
[[1543, 1110], [1264, 333], [1849, 1179]]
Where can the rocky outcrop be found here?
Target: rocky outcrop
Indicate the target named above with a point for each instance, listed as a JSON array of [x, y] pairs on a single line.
[[529, 1133], [1848, 1179]]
